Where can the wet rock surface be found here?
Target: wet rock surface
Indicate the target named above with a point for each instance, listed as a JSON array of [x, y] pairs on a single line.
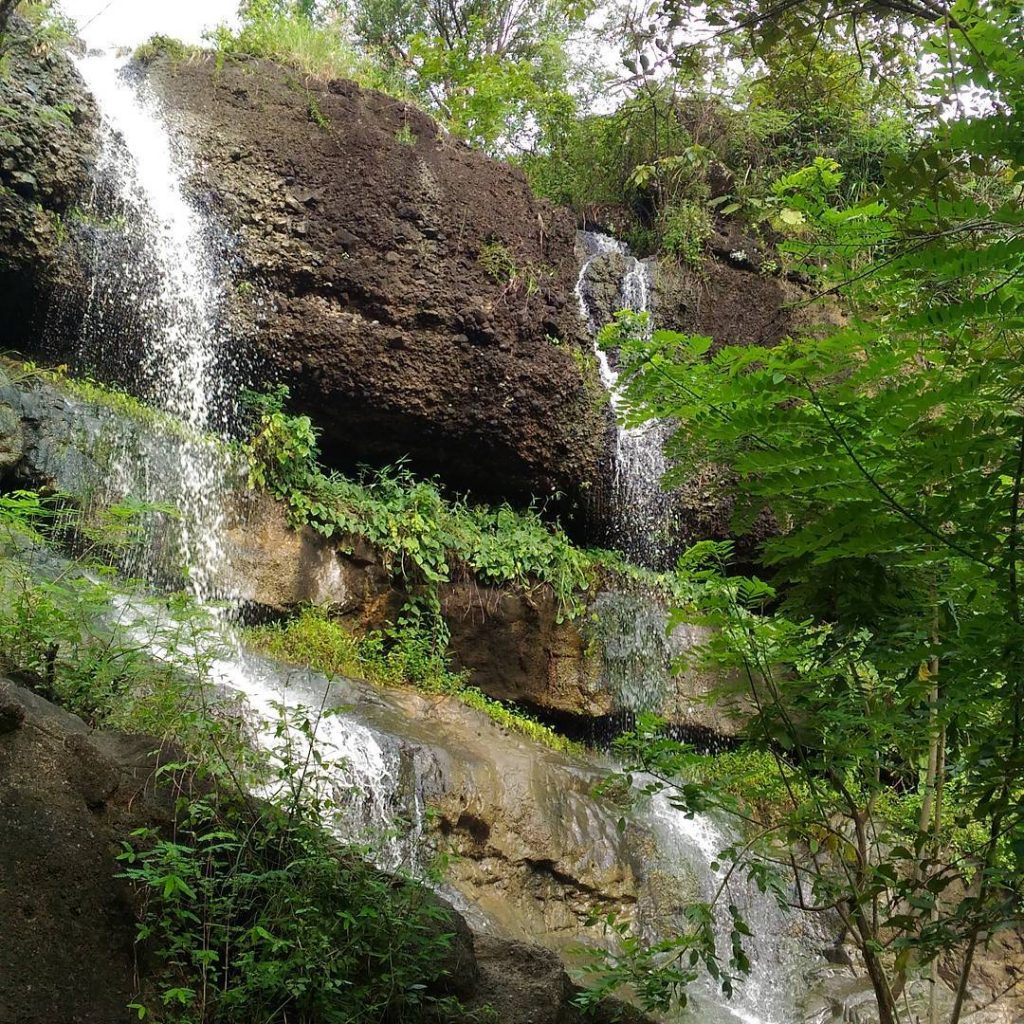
[[415, 295], [70, 796], [47, 150], [613, 658]]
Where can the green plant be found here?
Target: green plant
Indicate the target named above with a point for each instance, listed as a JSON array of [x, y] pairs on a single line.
[[406, 136], [78, 215], [316, 115], [887, 652], [422, 537], [253, 911], [503, 268], [50, 30], [686, 228], [409, 653], [164, 46], [315, 49]]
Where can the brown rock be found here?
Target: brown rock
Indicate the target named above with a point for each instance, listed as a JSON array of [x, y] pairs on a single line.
[[373, 298]]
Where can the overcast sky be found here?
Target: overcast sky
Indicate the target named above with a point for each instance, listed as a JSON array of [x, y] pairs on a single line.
[[130, 22]]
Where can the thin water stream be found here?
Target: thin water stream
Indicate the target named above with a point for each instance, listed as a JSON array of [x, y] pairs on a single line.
[[639, 510], [167, 296]]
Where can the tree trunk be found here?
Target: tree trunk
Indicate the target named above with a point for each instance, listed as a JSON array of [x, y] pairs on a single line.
[[884, 998]]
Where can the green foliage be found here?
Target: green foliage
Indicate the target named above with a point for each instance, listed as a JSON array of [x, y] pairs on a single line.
[[316, 115], [409, 653], [505, 269], [639, 158], [884, 665], [423, 538], [164, 46], [671, 145], [49, 29], [489, 70], [319, 50], [56, 632], [254, 912], [686, 230]]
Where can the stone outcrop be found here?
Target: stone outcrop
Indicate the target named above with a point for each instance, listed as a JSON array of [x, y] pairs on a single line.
[[47, 149], [414, 294], [67, 799], [70, 797], [516, 646]]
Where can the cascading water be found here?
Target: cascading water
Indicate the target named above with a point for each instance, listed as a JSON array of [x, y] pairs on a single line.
[[154, 315], [638, 652], [639, 511], [779, 958], [160, 280], [158, 291]]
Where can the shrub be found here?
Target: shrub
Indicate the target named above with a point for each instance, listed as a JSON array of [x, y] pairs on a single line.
[[423, 538], [254, 912], [314, 48], [686, 228]]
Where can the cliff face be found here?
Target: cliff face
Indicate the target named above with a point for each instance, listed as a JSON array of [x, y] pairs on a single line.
[[47, 147], [415, 295]]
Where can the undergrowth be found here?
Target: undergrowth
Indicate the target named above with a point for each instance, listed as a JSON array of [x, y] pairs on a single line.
[[405, 654], [424, 539], [316, 50], [255, 912], [763, 789], [247, 908]]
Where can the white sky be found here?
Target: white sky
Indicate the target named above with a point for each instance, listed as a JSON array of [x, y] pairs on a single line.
[[105, 23]]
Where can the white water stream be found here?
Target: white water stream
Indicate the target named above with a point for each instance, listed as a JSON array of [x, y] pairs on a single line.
[[638, 509], [170, 290], [174, 286]]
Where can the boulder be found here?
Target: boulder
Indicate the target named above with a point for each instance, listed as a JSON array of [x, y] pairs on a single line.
[[69, 922]]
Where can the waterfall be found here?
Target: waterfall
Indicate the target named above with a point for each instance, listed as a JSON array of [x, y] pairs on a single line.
[[639, 513], [155, 320], [778, 947], [155, 312]]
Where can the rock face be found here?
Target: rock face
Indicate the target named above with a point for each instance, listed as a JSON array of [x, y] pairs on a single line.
[[47, 128], [70, 796], [67, 799], [416, 296], [613, 658]]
